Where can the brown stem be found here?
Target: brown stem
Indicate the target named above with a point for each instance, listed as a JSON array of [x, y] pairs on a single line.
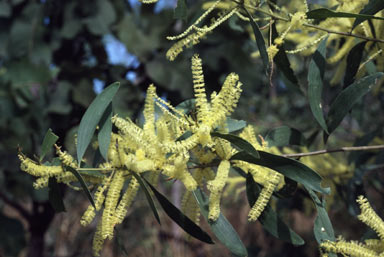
[[342, 149]]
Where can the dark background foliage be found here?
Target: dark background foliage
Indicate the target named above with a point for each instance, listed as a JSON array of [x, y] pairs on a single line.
[[53, 53]]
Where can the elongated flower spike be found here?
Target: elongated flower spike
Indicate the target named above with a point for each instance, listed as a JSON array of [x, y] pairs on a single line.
[[369, 217]]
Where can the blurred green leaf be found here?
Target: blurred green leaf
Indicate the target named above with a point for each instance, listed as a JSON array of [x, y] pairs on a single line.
[[83, 184], [180, 10], [239, 143], [104, 135], [180, 219], [315, 83], [269, 218], [105, 16], [5, 9], [55, 195], [347, 98], [235, 125], [371, 8], [92, 117], [222, 229], [284, 135], [290, 168], [49, 140], [353, 62]]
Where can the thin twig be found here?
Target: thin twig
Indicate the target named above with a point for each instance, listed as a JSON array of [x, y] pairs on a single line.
[[342, 149]]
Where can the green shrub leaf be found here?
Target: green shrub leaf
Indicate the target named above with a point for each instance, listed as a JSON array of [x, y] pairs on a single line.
[[239, 143], [371, 8], [92, 117], [323, 228], [221, 227], [284, 135], [147, 195], [83, 184], [315, 83], [104, 135], [49, 140], [55, 195], [290, 168], [180, 219], [269, 218], [353, 62], [324, 13], [347, 98]]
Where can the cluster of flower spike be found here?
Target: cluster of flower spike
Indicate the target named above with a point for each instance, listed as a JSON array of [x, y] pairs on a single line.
[[370, 247], [174, 144]]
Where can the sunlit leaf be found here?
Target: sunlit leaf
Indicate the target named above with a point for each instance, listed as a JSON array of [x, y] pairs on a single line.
[[92, 117], [49, 140]]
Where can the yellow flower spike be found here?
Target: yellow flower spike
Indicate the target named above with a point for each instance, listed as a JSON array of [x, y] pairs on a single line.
[[278, 41], [225, 101], [38, 170], [98, 240], [297, 20], [349, 248], [189, 207], [65, 158], [375, 244], [272, 50], [99, 198], [265, 196], [216, 187], [343, 51], [181, 172], [149, 112], [189, 41], [41, 182], [126, 200], [110, 204], [369, 217], [199, 89]]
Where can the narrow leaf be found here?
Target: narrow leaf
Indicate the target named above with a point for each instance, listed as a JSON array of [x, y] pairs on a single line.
[[147, 195], [82, 183], [222, 229], [324, 13], [49, 140], [259, 40], [180, 11], [92, 117], [315, 83], [288, 167], [239, 143], [55, 195], [104, 135], [371, 8], [269, 218], [284, 135], [282, 61], [353, 62], [323, 228], [347, 98], [180, 219]]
